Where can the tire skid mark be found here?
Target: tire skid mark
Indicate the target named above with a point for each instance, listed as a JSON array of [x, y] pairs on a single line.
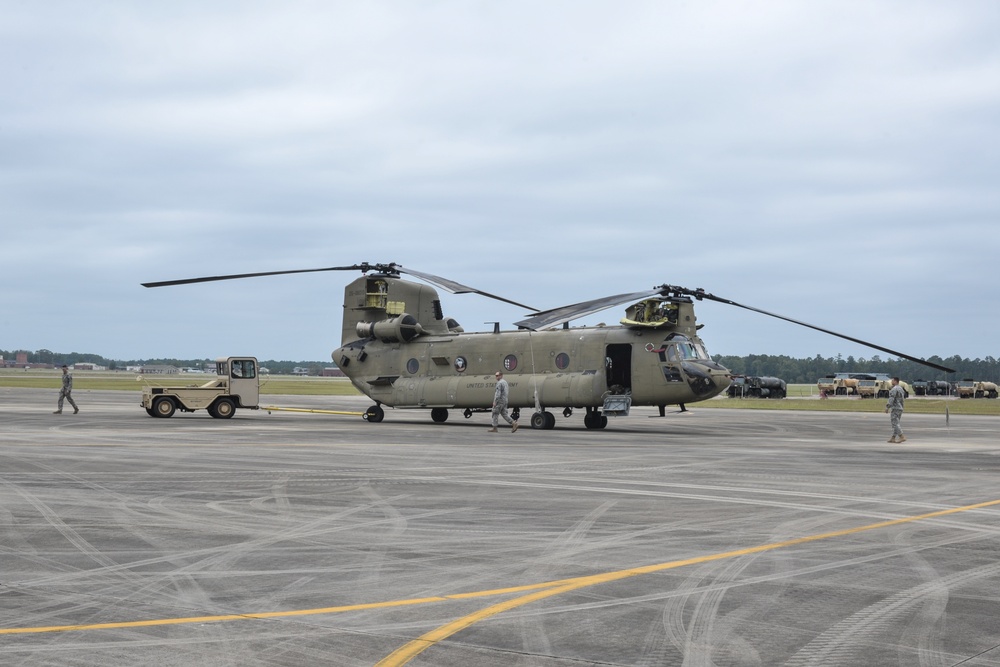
[[533, 637], [413, 648], [924, 629], [848, 641]]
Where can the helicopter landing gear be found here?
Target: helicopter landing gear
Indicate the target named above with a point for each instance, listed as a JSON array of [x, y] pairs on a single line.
[[374, 414], [594, 419], [439, 415], [543, 420]]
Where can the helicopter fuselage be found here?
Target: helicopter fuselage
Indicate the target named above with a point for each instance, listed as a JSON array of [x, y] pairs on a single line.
[[400, 350], [577, 367]]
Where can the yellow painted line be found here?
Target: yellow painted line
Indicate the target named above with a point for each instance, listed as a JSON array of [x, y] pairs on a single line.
[[407, 652], [273, 614], [537, 591]]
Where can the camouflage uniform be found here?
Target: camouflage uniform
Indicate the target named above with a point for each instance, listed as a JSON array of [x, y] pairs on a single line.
[[64, 393], [500, 403], [895, 409]]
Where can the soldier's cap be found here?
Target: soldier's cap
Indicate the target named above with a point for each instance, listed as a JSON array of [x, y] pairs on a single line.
[[65, 366]]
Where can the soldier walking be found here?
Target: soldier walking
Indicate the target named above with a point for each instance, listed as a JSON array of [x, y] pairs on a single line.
[[500, 404], [66, 391], [895, 409]]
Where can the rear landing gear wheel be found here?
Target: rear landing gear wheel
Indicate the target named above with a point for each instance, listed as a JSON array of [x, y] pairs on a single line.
[[543, 420], [439, 415], [374, 414]]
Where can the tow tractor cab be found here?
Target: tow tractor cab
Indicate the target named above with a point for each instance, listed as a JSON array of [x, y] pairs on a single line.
[[236, 385]]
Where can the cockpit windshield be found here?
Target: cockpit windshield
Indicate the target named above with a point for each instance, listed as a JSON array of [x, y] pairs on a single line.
[[681, 348]]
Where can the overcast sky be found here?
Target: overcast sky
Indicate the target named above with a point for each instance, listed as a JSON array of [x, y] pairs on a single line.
[[834, 162]]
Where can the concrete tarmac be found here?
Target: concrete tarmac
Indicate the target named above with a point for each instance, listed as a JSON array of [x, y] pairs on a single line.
[[715, 537]]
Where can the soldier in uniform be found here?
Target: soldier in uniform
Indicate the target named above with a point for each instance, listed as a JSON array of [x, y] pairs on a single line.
[[500, 404], [66, 391], [895, 409]]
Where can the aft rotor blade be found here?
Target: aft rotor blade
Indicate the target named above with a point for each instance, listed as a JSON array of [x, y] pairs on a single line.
[[712, 297], [454, 287], [547, 319], [390, 268], [237, 276]]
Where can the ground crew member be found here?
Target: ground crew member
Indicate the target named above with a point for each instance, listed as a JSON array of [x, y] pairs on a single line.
[[500, 404], [66, 391], [895, 409]]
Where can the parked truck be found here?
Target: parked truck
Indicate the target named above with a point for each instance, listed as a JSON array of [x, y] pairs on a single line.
[[969, 388], [938, 388], [750, 386], [236, 385], [838, 386]]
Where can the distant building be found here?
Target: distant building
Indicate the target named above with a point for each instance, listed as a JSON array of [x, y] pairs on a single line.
[[331, 372], [159, 369]]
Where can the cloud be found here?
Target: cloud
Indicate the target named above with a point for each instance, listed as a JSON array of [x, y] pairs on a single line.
[[833, 162]]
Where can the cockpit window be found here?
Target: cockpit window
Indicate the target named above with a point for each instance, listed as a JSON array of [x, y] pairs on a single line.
[[680, 348]]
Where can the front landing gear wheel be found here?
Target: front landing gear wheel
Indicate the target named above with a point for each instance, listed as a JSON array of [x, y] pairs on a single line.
[[595, 420], [374, 414]]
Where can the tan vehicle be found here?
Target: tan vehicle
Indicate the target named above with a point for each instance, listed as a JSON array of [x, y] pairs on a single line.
[[884, 386], [827, 385], [969, 388], [236, 385], [868, 388]]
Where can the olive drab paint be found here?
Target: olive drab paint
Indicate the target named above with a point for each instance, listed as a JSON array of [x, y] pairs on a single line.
[[400, 349]]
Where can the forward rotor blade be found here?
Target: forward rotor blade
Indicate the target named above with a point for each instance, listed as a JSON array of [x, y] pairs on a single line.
[[712, 297], [546, 319], [454, 287]]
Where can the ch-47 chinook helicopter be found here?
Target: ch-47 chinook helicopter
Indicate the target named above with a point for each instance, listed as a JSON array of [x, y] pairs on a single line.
[[399, 349]]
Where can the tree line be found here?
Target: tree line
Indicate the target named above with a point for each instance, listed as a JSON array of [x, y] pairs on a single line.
[[282, 367], [808, 371], [792, 371]]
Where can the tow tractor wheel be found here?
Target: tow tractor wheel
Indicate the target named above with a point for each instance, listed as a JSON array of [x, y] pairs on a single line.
[[374, 414], [439, 415], [164, 407], [149, 411], [223, 408]]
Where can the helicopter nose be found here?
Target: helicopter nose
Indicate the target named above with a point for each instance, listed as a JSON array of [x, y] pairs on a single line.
[[706, 380]]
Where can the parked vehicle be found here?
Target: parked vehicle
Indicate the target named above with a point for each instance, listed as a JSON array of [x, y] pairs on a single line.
[[236, 385]]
